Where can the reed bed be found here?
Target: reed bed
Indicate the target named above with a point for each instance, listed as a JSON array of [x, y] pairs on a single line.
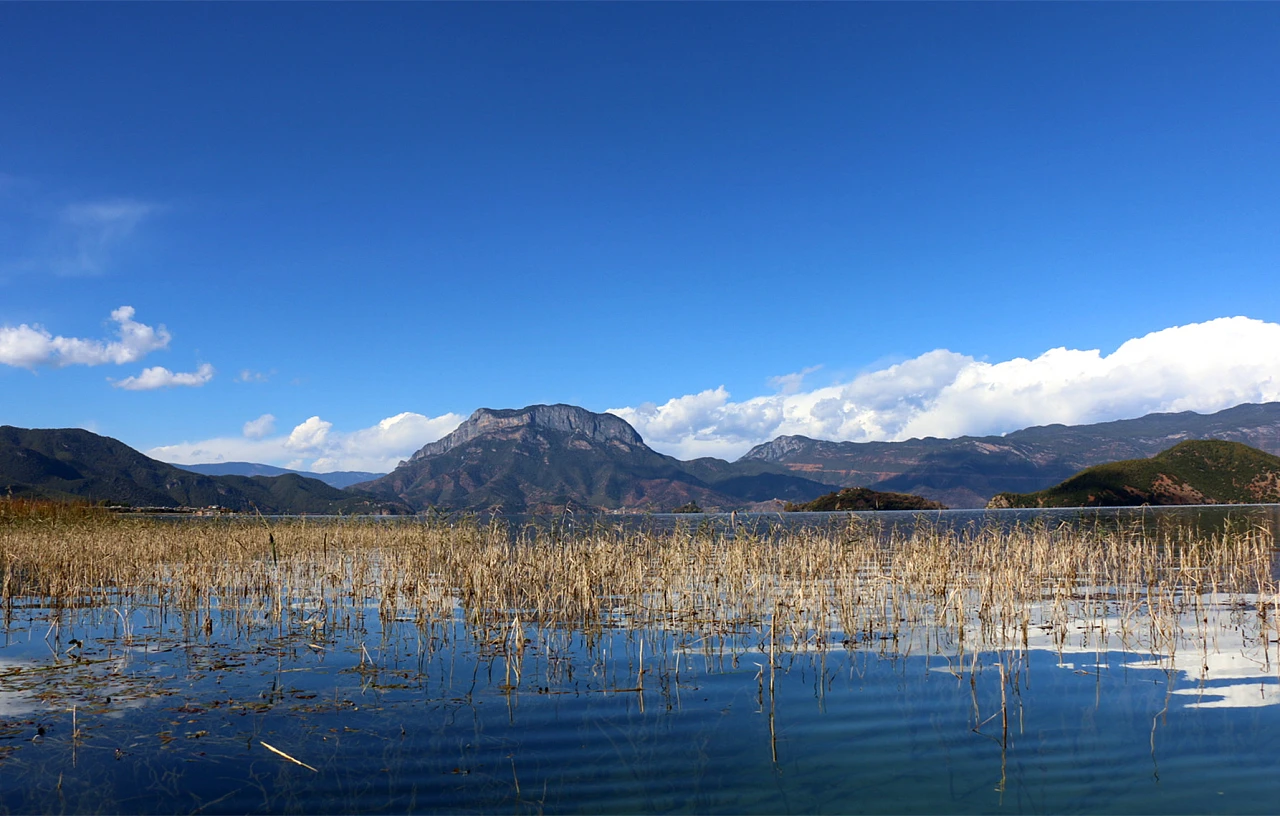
[[15, 510], [856, 585]]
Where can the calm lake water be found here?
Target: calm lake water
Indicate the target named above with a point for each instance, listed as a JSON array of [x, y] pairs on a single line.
[[147, 709]]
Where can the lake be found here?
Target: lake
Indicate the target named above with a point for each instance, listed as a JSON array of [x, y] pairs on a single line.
[[1115, 661]]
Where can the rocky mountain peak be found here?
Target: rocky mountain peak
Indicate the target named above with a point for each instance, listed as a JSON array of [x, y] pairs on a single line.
[[777, 449], [568, 419]]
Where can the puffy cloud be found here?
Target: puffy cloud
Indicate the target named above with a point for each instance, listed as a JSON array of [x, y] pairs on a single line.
[[1201, 367], [160, 377], [310, 435], [27, 346], [386, 443], [260, 427], [704, 424], [314, 444]]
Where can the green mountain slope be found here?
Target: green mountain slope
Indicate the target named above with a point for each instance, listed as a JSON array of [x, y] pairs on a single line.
[[70, 463], [1193, 472]]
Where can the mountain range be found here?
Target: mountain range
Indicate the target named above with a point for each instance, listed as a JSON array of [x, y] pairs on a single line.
[[1204, 471], [336, 478], [73, 464], [968, 471], [546, 457], [551, 456]]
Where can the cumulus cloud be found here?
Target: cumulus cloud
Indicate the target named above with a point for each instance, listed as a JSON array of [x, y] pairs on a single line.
[[261, 427], [396, 437], [1201, 367], [160, 377], [31, 346], [310, 435], [315, 445]]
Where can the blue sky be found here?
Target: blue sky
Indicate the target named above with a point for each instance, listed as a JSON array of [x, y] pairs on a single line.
[[365, 221]]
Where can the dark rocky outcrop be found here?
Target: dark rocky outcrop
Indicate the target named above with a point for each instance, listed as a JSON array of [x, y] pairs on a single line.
[[861, 499]]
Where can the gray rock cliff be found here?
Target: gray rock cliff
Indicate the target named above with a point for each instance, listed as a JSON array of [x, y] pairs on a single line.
[[565, 418], [778, 449]]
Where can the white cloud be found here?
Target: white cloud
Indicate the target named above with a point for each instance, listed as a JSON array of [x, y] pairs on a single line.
[[314, 444], [249, 376], [25, 346], [310, 435], [1201, 367], [160, 377], [30, 346], [260, 427], [396, 437]]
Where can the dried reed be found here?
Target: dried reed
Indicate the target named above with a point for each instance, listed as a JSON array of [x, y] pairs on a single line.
[[801, 590]]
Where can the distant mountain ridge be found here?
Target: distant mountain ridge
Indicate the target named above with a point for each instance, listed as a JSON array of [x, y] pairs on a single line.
[[1205, 471], [968, 471], [74, 464], [337, 478], [551, 456], [548, 457]]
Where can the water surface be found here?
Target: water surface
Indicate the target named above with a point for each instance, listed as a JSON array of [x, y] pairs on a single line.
[[147, 708]]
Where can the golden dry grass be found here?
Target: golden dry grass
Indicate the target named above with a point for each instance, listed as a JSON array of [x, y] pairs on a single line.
[[797, 590]]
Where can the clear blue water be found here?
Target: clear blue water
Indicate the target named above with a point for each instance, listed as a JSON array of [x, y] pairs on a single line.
[[179, 726], [1210, 518]]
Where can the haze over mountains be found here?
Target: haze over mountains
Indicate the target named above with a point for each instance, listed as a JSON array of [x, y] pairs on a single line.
[[336, 478], [546, 457]]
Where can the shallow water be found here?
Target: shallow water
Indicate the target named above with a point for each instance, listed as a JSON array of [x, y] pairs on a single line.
[[181, 726], [1210, 517], [157, 711]]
